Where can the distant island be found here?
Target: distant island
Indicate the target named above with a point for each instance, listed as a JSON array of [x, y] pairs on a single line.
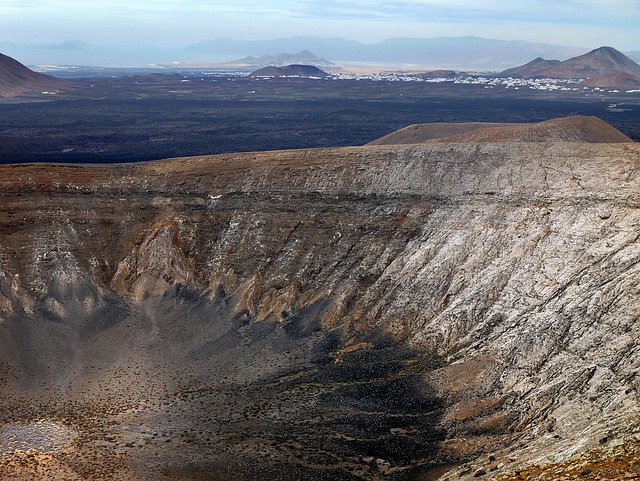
[[282, 59]]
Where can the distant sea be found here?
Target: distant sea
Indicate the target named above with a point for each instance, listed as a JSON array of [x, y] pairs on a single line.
[[109, 56]]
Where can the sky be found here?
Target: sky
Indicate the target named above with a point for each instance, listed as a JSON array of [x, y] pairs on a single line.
[[178, 23]]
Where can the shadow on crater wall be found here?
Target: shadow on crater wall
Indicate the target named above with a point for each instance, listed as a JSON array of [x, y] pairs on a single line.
[[181, 388]]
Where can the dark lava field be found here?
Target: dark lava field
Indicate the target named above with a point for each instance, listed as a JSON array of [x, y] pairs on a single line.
[[146, 117]]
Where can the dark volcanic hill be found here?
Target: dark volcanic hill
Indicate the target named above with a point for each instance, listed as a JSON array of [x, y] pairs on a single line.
[[15, 78], [289, 71], [603, 62], [576, 128], [352, 314]]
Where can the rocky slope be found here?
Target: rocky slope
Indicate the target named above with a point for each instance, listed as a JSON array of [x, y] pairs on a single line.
[[575, 128], [348, 314], [15, 78]]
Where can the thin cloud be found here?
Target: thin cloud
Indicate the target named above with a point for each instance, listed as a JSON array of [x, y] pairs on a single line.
[[571, 22], [588, 12], [460, 11]]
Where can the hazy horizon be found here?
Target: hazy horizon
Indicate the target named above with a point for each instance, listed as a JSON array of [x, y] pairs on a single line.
[[153, 31]]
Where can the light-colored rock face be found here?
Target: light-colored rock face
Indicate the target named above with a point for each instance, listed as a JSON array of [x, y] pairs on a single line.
[[156, 265], [352, 311]]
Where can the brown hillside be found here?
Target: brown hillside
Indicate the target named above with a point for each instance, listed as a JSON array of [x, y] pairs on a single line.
[[575, 128], [604, 67], [598, 62], [421, 133], [619, 80], [15, 78], [534, 68]]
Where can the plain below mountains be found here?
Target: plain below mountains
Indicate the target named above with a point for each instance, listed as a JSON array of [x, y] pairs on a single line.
[[602, 67], [15, 79]]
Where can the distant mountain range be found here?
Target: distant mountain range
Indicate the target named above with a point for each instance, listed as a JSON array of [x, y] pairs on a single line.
[[602, 67], [15, 78], [459, 53], [451, 52]]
